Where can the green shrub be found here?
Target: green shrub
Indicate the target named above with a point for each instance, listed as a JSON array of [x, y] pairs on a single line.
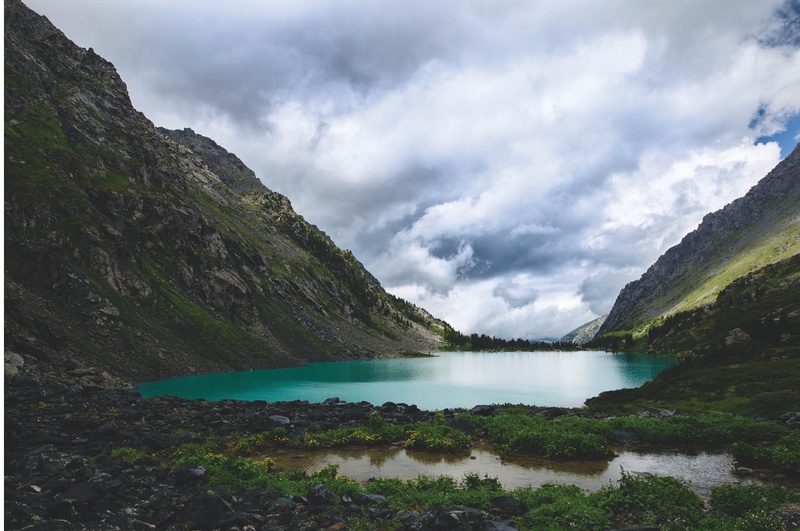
[[783, 455], [664, 501], [564, 438], [557, 507], [739, 500], [437, 438], [707, 429]]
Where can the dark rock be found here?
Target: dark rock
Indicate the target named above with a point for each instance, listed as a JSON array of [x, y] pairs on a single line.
[[509, 506], [369, 499], [462, 425], [190, 474], [82, 492], [553, 413], [331, 401], [482, 410], [159, 441], [321, 495], [452, 517], [355, 413], [109, 428]]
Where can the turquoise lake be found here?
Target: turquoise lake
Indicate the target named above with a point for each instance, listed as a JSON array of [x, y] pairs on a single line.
[[449, 380]]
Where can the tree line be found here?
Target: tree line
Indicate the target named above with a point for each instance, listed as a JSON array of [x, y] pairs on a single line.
[[460, 341]]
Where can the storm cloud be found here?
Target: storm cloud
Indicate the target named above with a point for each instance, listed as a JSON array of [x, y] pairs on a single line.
[[507, 165]]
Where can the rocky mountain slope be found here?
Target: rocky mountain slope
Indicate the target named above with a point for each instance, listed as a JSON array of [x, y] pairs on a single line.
[[586, 332], [761, 228], [133, 253]]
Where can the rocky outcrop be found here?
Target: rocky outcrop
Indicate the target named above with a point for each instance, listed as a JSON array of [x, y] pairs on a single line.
[[225, 165], [586, 332], [760, 228], [144, 254]]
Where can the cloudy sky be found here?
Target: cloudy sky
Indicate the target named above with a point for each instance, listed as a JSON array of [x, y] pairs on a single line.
[[507, 165]]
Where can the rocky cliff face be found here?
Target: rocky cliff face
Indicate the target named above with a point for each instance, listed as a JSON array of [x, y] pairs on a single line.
[[761, 228], [586, 332], [137, 254]]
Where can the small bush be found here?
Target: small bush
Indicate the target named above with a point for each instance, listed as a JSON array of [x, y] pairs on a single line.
[[557, 507], [783, 455], [437, 438], [739, 500], [664, 501]]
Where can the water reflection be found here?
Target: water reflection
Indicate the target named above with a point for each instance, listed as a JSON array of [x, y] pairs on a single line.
[[703, 470], [451, 379]]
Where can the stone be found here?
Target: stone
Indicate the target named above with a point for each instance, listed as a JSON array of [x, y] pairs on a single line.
[[369, 499], [321, 495], [509, 506], [279, 420], [736, 336], [482, 410], [190, 474]]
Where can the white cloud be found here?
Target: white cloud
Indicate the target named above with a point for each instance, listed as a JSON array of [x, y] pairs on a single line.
[[508, 165]]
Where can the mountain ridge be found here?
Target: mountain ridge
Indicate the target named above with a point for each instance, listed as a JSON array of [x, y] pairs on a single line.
[[136, 253], [758, 229]]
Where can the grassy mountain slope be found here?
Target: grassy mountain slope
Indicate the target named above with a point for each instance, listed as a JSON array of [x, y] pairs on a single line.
[[131, 255], [740, 354], [759, 229]]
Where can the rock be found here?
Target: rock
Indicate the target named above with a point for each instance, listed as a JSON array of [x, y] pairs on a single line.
[[553, 412], [482, 410], [14, 359], [509, 506], [462, 425], [452, 517], [190, 474], [736, 336], [321, 495], [655, 412], [279, 420], [355, 413], [370, 499]]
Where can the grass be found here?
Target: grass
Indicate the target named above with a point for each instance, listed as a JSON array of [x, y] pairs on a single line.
[[661, 501], [435, 437], [563, 438]]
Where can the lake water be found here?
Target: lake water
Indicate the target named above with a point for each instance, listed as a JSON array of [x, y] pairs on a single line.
[[449, 380]]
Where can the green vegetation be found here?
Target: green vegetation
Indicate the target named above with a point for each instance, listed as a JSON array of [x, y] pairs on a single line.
[[571, 437], [563, 438], [740, 355], [663, 501], [436, 437], [783, 454], [459, 341]]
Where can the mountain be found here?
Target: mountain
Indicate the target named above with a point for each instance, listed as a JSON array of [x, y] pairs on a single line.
[[726, 302], [740, 354], [133, 253], [759, 229], [586, 332]]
